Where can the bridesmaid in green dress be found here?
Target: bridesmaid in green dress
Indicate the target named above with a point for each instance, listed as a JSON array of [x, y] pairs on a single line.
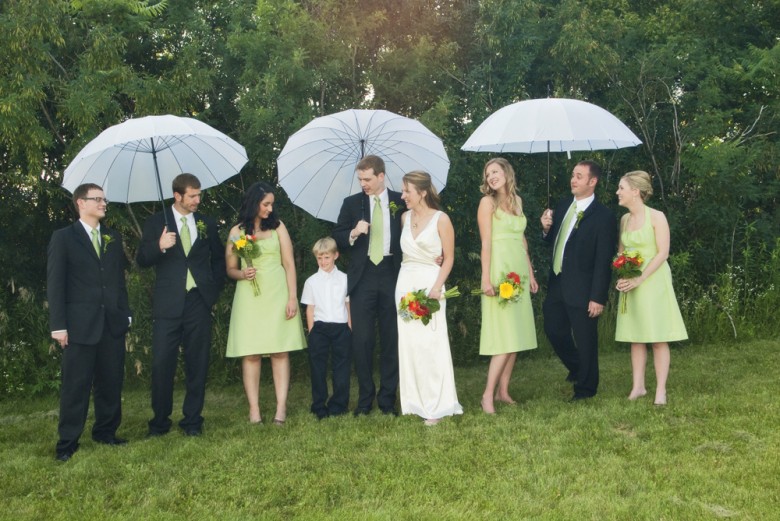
[[268, 323], [510, 328], [652, 313]]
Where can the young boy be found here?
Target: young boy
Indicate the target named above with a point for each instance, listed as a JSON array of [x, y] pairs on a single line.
[[329, 324]]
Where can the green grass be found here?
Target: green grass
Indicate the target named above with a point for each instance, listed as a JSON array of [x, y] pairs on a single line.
[[712, 453]]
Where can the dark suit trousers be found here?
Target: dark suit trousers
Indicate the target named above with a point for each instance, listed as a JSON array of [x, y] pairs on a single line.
[[372, 301], [193, 332], [574, 337], [100, 367], [329, 340]]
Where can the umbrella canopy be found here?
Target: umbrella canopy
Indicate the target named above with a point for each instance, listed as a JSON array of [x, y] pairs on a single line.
[[317, 165], [136, 160], [550, 125]]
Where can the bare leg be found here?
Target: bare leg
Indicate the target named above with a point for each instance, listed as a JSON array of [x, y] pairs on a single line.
[[495, 369], [661, 360], [250, 369], [638, 362], [280, 365], [502, 395]]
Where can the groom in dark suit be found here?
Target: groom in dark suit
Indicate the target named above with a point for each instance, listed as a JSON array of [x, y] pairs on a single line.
[[369, 227], [583, 233], [189, 259], [89, 316]]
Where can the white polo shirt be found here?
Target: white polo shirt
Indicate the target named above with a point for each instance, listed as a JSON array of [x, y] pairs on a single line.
[[328, 293]]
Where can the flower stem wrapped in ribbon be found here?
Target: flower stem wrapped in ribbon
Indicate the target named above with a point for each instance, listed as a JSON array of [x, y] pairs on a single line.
[[245, 247], [627, 265], [417, 305], [509, 289]]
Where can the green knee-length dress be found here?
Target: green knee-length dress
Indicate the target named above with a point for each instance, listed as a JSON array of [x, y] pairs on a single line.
[[509, 328], [258, 324], [651, 312]]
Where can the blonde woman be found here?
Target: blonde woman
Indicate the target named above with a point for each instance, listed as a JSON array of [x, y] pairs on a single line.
[[652, 313], [509, 328]]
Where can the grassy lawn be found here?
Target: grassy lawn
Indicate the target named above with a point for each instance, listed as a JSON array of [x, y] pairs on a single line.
[[713, 452]]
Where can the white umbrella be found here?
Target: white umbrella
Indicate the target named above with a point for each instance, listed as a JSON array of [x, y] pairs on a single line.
[[317, 165], [550, 125], [136, 160]]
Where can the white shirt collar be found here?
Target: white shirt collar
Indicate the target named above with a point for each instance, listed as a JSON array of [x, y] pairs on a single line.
[[582, 204]]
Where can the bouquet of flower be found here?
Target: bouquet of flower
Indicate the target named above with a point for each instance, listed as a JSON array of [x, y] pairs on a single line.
[[417, 305], [245, 247], [509, 289], [627, 265]]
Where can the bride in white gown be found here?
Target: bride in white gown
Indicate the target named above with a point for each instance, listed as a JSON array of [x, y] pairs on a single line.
[[426, 377]]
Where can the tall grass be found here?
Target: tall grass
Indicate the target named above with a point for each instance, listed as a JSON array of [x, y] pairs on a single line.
[[712, 453]]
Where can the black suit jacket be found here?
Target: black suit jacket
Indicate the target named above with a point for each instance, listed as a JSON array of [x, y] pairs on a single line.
[[585, 270], [206, 262], [355, 208], [86, 293]]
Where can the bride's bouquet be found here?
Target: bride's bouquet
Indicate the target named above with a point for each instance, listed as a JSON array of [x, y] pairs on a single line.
[[417, 305]]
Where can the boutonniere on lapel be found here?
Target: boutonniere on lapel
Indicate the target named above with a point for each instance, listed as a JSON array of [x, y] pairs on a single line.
[[579, 218], [107, 239], [201, 226], [394, 208]]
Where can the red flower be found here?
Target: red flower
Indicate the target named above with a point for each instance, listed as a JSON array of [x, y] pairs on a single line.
[[619, 262], [422, 310], [514, 277]]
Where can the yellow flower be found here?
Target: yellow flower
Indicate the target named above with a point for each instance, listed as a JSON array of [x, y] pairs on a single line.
[[240, 243], [505, 290]]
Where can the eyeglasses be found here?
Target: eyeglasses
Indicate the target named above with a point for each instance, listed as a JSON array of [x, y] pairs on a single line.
[[98, 200]]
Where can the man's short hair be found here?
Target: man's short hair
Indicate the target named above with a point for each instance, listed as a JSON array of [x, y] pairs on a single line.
[[593, 168], [325, 245], [183, 181], [375, 162], [81, 192]]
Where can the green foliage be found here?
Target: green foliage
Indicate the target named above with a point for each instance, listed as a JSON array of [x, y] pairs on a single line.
[[696, 81]]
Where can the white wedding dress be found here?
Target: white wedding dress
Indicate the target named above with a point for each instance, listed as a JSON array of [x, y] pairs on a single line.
[[426, 377]]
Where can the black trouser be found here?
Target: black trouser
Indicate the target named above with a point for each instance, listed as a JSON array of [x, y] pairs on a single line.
[[193, 332], [373, 301], [100, 367], [574, 337], [329, 340]]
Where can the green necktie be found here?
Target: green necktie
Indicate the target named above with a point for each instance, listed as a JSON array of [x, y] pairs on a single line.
[[96, 241], [560, 241], [376, 243], [186, 244]]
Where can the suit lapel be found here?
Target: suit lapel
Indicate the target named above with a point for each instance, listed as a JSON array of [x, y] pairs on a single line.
[[83, 238]]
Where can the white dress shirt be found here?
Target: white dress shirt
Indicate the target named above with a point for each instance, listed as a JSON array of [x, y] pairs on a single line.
[[582, 205], [327, 292]]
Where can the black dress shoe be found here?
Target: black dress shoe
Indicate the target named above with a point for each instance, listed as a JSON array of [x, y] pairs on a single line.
[[115, 441], [155, 434], [193, 432], [66, 454], [579, 397], [389, 412], [361, 412]]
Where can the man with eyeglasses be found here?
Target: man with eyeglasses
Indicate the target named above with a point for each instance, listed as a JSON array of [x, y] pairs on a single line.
[[184, 247], [89, 316]]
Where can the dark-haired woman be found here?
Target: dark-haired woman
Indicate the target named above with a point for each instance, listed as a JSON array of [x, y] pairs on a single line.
[[266, 324]]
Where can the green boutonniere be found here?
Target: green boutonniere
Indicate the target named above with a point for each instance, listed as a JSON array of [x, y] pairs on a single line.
[[107, 239], [579, 218], [201, 226], [394, 208]]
